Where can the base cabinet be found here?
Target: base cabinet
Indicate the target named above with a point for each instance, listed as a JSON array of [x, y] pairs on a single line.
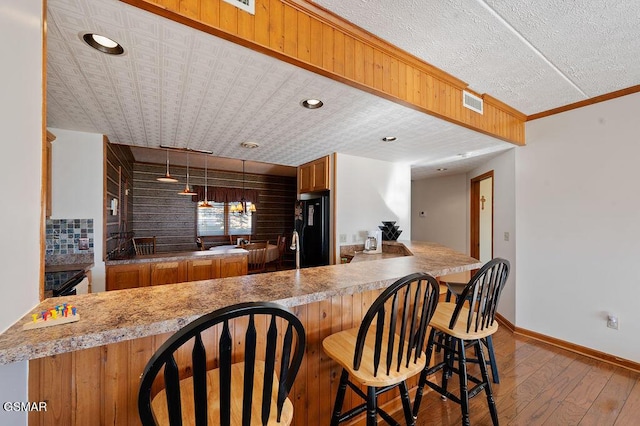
[[168, 273], [203, 269], [234, 266], [120, 277]]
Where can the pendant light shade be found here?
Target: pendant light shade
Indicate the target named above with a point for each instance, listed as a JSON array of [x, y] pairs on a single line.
[[240, 207], [205, 204], [167, 176], [187, 189]]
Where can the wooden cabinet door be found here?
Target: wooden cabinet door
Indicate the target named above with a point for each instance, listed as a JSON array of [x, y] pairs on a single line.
[[203, 269], [168, 273], [305, 178], [321, 174], [120, 277], [233, 266], [314, 176]]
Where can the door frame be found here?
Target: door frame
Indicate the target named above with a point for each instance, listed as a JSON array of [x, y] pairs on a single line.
[[474, 215]]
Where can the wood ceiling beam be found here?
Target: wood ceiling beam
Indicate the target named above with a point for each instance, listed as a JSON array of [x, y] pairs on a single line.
[[308, 36]]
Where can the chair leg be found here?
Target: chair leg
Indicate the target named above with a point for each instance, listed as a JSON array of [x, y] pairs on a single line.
[[337, 407], [492, 359], [406, 404], [423, 376], [441, 336], [372, 409], [464, 388], [487, 389], [449, 357]]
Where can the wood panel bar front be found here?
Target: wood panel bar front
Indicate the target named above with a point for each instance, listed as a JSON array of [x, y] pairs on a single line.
[[100, 385]]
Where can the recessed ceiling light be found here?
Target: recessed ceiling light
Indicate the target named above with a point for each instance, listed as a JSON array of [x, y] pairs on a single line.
[[311, 103], [389, 138], [442, 169], [103, 44], [249, 145]]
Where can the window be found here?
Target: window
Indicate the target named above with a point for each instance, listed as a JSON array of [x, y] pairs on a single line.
[[218, 220]]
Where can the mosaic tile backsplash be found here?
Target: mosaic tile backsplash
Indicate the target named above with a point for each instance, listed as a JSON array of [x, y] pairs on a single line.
[[63, 235]]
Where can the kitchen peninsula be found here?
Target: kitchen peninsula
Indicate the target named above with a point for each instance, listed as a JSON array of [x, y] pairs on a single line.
[[89, 371], [171, 268]]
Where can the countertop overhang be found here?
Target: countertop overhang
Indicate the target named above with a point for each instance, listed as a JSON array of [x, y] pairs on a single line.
[[223, 251], [111, 317]]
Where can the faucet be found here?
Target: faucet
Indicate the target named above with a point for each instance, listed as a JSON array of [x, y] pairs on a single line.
[[295, 245]]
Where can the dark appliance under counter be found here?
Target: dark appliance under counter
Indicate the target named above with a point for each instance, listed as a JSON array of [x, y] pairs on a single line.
[[65, 282]]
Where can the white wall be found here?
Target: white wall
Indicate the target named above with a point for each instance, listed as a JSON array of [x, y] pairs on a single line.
[[77, 175], [504, 220], [20, 168], [368, 192], [444, 201], [578, 226]]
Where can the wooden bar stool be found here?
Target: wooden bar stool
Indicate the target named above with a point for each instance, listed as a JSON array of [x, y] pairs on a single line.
[[386, 349], [455, 288], [252, 390], [464, 324]]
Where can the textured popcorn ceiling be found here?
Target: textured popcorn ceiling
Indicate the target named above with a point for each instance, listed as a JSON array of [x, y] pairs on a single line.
[[179, 87], [532, 55]]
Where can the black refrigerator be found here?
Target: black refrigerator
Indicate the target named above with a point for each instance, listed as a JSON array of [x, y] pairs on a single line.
[[312, 224]]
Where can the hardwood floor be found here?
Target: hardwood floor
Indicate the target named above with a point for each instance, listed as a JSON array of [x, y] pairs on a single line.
[[541, 384]]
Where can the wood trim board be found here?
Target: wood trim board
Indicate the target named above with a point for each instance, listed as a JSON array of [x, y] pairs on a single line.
[[572, 347]]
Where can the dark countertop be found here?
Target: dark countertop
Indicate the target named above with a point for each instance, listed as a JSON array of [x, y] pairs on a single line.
[[115, 316]]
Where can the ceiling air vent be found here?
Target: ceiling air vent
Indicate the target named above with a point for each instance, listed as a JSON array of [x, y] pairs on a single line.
[[472, 102]]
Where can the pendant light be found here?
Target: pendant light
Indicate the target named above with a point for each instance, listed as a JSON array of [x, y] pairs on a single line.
[[167, 176], [205, 204], [187, 189], [241, 207]]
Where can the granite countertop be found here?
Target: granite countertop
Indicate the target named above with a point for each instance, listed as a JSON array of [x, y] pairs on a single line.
[[68, 267], [173, 257], [115, 316], [365, 257]]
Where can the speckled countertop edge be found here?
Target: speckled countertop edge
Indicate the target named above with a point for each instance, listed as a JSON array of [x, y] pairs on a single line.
[[174, 257], [115, 316]]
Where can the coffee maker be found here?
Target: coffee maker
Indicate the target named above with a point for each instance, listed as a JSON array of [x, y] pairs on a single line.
[[373, 243]]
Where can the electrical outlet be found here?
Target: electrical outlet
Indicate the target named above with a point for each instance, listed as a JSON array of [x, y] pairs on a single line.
[[612, 322], [343, 238], [506, 236]]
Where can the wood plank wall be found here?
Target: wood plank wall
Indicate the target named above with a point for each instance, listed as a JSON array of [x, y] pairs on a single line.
[[100, 385], [159, 211], [118, 178], [304, 34]]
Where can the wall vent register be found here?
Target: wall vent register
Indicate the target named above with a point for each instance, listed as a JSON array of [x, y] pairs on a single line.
[[472, 102]]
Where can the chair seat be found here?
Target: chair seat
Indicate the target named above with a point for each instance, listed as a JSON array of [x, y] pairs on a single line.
[[442, 317], [341, 347], [159, 404]]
